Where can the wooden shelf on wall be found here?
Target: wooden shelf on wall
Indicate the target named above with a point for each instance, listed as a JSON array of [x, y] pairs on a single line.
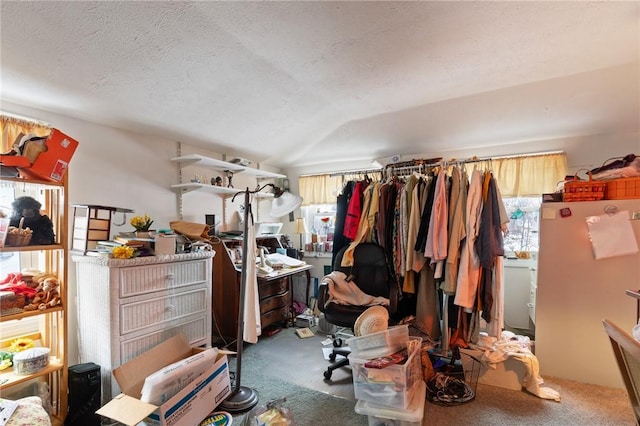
[[212, 163], [222, 190]]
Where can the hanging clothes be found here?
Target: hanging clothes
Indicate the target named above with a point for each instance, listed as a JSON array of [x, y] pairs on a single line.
[[354, 210], [489, 244], [369, 209], [436, 245], [421, 238], [342, 203], [469, 269], [457, 229]]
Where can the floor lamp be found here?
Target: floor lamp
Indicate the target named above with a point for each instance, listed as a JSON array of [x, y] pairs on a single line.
[[243, 398]]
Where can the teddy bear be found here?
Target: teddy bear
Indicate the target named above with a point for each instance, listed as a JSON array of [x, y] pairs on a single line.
[[27, 211], [47, 296]]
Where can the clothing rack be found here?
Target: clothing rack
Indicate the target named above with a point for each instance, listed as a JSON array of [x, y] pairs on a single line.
[[420, 165], [408, 167], [355, 172]]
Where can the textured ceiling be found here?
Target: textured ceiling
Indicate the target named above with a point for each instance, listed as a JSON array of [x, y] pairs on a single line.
[[295, 83]]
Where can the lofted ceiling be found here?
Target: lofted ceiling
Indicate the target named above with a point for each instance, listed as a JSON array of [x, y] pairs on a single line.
[[310, 82]]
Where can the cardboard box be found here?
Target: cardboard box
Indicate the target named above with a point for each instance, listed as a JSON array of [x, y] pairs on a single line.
[[508, 374], [53, 163], [164, 244], [187, 408]]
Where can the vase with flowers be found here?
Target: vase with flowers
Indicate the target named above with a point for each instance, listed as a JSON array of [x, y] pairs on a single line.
[[142, 225]]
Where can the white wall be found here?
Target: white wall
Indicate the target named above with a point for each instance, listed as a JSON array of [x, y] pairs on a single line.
[[117, 168]]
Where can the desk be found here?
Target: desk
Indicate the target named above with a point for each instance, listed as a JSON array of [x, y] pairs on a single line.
[[264, 281], [274, 292]]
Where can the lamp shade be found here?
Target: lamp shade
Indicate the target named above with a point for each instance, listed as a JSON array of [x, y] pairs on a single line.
[[301, 226], [285, 204]]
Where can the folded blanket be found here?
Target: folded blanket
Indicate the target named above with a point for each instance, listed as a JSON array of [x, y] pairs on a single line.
[[345, 292]]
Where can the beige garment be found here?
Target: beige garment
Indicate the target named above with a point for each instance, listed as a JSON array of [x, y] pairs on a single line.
[[427, 304], [251, 318], [457, 230], [345, 292], [408, 285]]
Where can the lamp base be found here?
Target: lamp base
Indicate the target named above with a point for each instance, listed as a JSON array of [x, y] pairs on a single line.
[[240, 400]]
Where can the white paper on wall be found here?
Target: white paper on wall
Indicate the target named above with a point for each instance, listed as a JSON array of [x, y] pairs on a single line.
[[612, 235]]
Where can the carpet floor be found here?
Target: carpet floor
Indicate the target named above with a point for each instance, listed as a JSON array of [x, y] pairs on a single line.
[[284, 365]]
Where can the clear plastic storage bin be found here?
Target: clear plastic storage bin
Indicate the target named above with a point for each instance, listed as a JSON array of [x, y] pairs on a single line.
[[379, 344], [379, 415], [392, 386]]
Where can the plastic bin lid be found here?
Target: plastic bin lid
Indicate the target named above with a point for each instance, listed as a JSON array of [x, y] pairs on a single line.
[[413, 413]]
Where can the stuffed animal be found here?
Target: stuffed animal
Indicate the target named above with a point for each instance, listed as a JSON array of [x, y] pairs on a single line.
[[47, 296], [40, 224]]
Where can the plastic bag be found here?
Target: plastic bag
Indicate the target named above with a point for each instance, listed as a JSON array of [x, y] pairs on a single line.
[[274, 414]]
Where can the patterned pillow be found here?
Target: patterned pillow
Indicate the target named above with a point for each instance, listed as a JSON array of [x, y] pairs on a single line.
[[29, 412]]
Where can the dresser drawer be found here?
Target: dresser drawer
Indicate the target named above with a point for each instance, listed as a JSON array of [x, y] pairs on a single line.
[[194, 329], [274, 302], [158, 311], [271, 317], [271, 288], [146, 279]]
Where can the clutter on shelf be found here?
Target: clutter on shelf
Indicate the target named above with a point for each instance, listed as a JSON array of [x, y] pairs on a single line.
[[618, 178]]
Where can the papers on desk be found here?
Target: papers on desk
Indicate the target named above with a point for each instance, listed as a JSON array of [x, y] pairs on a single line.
[[289, 262]]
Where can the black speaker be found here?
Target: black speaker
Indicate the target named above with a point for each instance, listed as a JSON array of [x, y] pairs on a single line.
[[210, 219], [84, 395]]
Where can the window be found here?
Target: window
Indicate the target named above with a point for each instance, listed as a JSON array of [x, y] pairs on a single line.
[[320, 220], [523, 213]]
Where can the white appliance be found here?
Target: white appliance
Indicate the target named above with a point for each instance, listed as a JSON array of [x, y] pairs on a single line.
[[575, 292], [268, 228]]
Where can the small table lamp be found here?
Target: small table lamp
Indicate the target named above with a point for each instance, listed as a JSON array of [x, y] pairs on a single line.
[[301, 228]]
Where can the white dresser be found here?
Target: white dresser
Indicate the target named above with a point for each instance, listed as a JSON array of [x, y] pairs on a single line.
[[126, 307]]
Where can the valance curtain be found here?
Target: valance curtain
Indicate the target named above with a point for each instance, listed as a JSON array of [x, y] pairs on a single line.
[[11, 127], [320, 189], [529, 175], [525, 176]]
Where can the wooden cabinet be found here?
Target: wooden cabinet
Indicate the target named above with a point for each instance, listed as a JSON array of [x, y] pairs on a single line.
[[274, 291], [127, 306], [48, 327]]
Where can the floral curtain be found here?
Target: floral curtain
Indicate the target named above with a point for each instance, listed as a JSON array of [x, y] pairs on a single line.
[[11, 128]]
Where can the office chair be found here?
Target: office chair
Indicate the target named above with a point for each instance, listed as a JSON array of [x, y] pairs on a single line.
[[371, 274], [627, 352]]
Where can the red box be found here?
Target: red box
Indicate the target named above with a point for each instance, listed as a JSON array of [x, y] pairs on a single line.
[[53, 163]]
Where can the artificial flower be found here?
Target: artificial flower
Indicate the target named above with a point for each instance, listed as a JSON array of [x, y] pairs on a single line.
[[21, 344], [141, 223], [122, 252]]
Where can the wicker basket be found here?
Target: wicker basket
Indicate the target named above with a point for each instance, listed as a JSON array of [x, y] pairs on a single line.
[[580, 190], [18, 239], [623, 188]]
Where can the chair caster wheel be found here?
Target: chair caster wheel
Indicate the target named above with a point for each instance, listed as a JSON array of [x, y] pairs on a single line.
[[327, 374], [332, 357], [337, 342]]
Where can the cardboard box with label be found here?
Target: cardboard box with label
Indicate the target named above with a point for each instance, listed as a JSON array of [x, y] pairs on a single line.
[[52, 164], [187, 408]]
